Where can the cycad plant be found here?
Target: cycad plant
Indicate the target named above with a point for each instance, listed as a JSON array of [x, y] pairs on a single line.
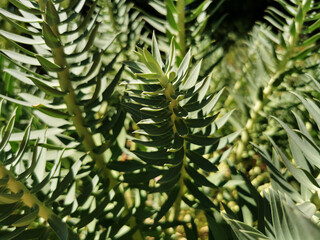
[[277, 55], [61, 64], [175, 116], [101, 139], [61, 174]]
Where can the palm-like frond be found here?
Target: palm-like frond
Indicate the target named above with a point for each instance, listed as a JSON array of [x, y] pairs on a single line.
[[283, 220], [177, 127], [59, 59]]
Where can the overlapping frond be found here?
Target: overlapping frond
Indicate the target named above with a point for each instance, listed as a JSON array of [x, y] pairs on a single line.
[[176, 128]]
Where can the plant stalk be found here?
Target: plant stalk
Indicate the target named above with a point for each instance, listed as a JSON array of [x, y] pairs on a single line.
[[173, 104], [177, 204], [78, 121], [27, 198], [267, 92], [113, 21], [181, 27]]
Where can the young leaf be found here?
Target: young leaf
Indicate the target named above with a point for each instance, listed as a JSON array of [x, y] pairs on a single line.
[[244, 231], [171, 57], [155, 50], [184, 66], [151, 63], [192, 79]]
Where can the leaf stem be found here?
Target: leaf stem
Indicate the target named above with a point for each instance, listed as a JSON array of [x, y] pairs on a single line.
[[27, 198], [78, 120], [77, 115], [177, 203], [113, 21], [173, 103], [181, 27], [267, 91]]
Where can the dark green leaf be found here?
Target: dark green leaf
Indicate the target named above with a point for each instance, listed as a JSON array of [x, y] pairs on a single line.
[[67, 180], [163, 141], [201, 140], [311, 40], [52, 112], [52, 16], [49, 37], [92, 37], [203, 199], [59, 227], [126, 166], [191, 234], [172, 196], [8, 210], [86, 219], [46, 88], [22, 146], [23, 7], [33, 162], [200, 122], [181, 127], [8, 198], [48, 65], [8, 131], [198, 178], [143, 176], [170, 18], [177, 143], [151, 130], [109, 90], [13, 234], [4, 180], [152, 155], [28, 218], [170, 174]]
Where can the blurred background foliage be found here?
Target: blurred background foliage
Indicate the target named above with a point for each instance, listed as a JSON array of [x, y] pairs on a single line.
[[264, 53]]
